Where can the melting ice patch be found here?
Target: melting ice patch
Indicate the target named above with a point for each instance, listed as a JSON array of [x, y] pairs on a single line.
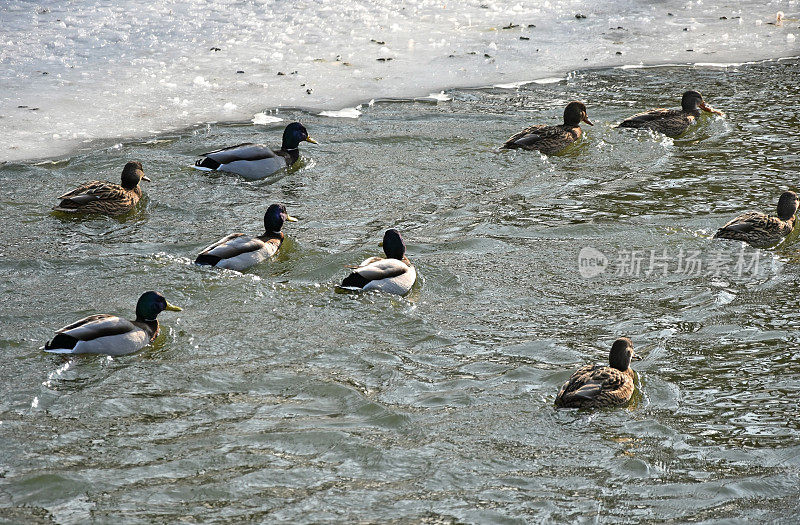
[[342, 113], [263, 118], [516, 85], [441, 96], [86, 69]]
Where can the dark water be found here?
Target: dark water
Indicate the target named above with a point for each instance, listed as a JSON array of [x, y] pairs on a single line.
[[272, 398]]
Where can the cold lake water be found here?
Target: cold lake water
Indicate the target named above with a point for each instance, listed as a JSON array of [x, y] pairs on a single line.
[[272, 398]]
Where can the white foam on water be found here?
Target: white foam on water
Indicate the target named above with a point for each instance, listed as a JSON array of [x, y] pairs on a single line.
[[80, 70]]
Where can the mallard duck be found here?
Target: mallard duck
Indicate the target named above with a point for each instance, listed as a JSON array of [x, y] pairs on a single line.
[[104, 197], [256, 161], [111, 335], [671, 122], [599, 385], [394, 274], [762, 230], [552, 139], [238, 251]]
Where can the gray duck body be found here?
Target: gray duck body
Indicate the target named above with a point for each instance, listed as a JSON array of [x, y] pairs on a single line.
[[257, 161]]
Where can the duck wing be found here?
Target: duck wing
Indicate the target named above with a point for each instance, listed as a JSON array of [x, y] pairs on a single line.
[[642, 119], [79, 336], [758, 229], [251, 161], [746, 223], [527, 136], [99, 197], [229, 247], [595, 385], [670, 122], [94, 191], [374, 271], [247, 151], [547, 139]]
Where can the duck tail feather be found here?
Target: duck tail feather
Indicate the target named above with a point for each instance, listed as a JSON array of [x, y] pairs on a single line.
[[206, 162], [355, 280]]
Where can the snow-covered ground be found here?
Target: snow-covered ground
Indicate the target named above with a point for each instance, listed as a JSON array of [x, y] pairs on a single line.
[[77, 70]]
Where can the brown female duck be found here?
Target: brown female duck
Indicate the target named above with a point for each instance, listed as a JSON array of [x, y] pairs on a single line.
[[552, 139], [601, 386], [671, 122], [761, 230], [104, 197]]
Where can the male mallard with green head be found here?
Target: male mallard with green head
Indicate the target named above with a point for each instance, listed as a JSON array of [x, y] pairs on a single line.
[[239, 252], [256, 161], [761, 230], [393, 274], [104, 197], [112, 335], [671, 122], [552, 139], [599, 385]]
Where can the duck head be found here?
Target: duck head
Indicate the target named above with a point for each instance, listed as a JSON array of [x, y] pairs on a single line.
[[294, 134], [393, 245], [575, 113], [621, 354], [691, 101], [132, 173], [787, 205], [151, 304], [275, 216]]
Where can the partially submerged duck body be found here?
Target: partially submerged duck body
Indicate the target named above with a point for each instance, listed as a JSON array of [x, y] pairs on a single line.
[[256, 161], [105, 197], [761, 230], [111, 335], [552, 139], [671, 122], [594, 386], [393, 274], [238, 251]]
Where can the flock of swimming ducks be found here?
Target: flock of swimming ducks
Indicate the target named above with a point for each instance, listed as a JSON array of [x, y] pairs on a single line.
[[589, 386]]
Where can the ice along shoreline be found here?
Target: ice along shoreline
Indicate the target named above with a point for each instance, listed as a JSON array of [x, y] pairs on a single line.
[[112, 81]]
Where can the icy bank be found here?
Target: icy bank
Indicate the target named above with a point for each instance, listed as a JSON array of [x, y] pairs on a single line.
[[86, 69]]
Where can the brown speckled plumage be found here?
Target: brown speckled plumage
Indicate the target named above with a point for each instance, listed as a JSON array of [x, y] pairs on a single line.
[[600, 385], [759, 229], [104, 197], [670, 122], [552, 139]]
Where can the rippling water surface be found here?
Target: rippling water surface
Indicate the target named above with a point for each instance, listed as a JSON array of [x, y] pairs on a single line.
[[270, 397]]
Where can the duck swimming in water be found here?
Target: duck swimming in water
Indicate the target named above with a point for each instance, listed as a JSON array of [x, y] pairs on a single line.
[[105, 197], [552, 139], [111, 335], [256, 161], [595, 386], [239, 252], [394, 274], [761, 230], [671, 122]]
